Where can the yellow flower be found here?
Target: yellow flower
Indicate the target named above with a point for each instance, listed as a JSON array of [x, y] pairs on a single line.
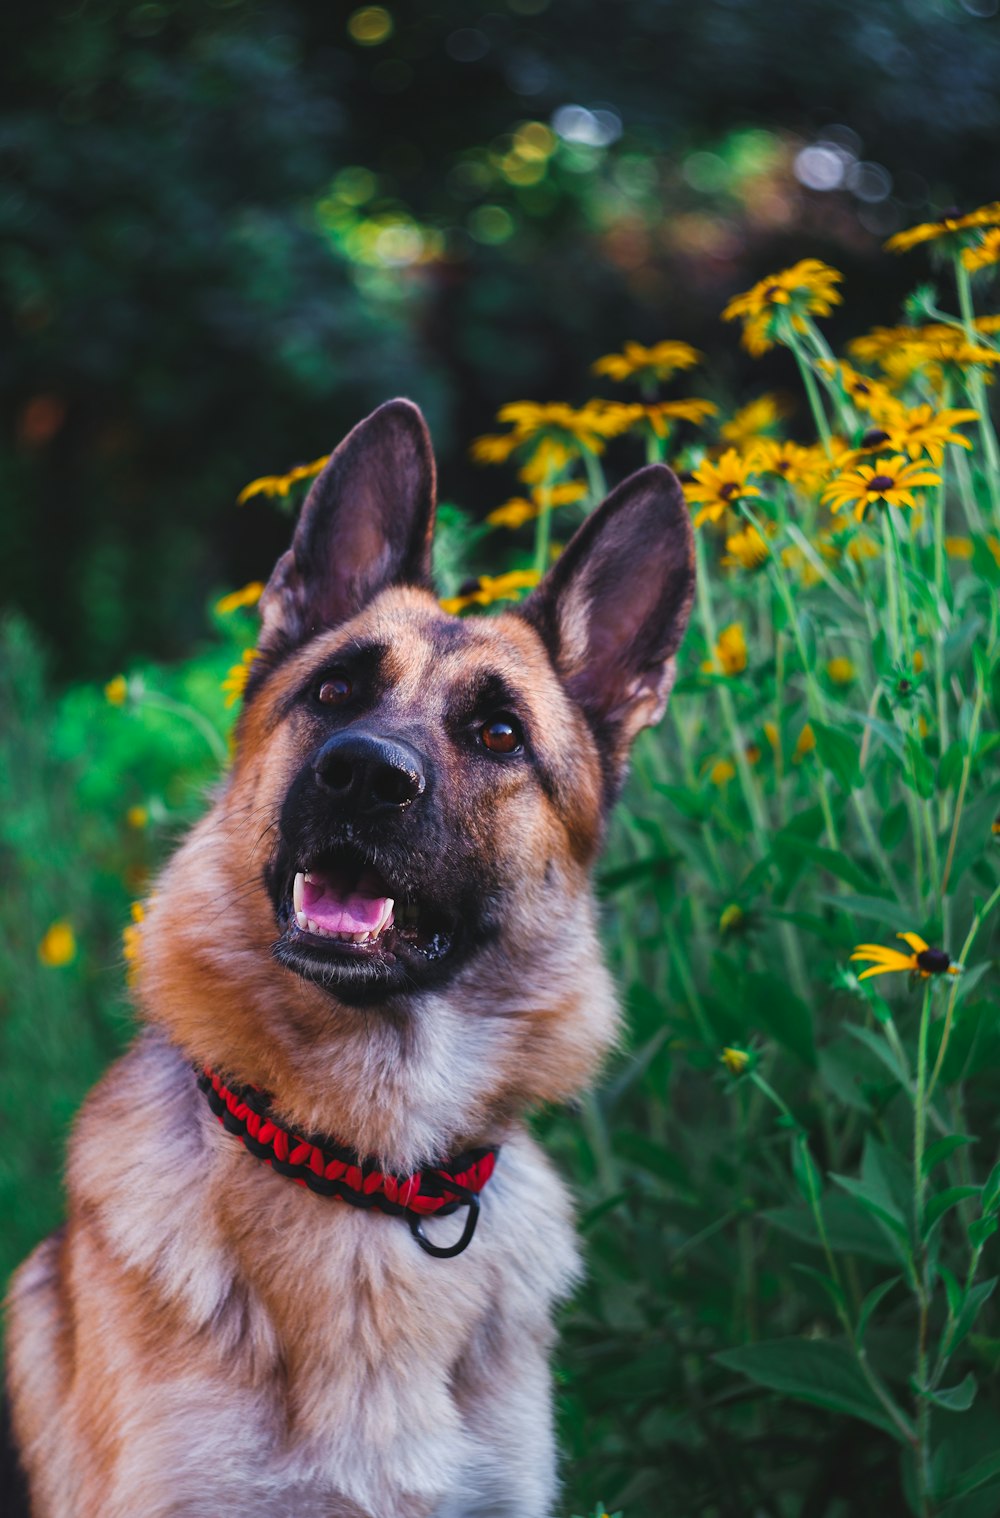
[[805, 745], [792, 462], [808, 287], [773, 736], [922, 961], [280, 484], [731, 649], [753, 420], [840, 670], [947, 226], [661, 416], [137, 817], [131, 940], [235, 682], [660, 362], [58, 947], [515, 512], [566, 431], [958, 548], [924, 430], [721, 772], [890, 482], [248, 596], [718, 486], [984, 253], [745, 549], [731, 917], [867, 394], [116, 691], [492, 588], [736, 1061]]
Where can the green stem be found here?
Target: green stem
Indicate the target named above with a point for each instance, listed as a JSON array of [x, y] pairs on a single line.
[[977, 390], [963, 783], [963, 955], [922, 1452], [812, 392], [543, 528]]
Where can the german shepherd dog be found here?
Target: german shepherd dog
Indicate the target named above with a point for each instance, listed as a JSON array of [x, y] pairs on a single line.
[[375, 954]]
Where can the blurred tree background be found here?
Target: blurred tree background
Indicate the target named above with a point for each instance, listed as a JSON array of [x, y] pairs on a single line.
[[229, 227]]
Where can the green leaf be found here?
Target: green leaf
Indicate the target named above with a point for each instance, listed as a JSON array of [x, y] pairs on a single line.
[[950, 767], [812, 1370], [981, 1230], [958, 642], [982, 1474], [935, 1153], [875, 908], [975, 1301], [870, 1303], [893, 827], [874, 1201], [833, 1291], [849, 1229], [943, 1202], [991, 1190], [826, 859], [954, 1399], [774, 1007], [839, 753], [882, 1051]]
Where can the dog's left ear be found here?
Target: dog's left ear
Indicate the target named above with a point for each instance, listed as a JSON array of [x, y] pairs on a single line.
[[366, 523], [613, 608]]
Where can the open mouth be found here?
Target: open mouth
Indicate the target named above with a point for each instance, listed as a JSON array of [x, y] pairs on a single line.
[[346, 924]]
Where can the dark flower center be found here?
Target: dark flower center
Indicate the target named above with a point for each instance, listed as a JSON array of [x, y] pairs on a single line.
[[873, 437], [771, 291], [934, 961], [881, 482], [728, 491]]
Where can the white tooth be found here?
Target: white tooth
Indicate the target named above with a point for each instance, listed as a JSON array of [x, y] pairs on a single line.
[[310, 877], [301, 919], [299, 894], [313, 927], [358, 937], [386, 917]]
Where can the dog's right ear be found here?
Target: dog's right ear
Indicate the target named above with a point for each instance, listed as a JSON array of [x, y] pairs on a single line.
[[366, 523]]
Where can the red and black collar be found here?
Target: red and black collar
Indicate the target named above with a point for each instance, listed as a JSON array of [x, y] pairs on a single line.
[[330, 1169]]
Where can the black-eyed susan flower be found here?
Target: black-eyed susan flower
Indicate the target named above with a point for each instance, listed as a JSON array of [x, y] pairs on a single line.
[[137, 817], [489, 589], [235, 682], [281, 484], [658, 363], [247, 595], [116, 691], [922, 429], [888, 482], [807, 288], [922, 961], [518, 510], [660, 417], [731, 649], [566, 428], [58, 946], [869, 395], [789, 461], [756, 419], [959, 548], [717, 486], [984, 253], [945, 227], [745, 549]]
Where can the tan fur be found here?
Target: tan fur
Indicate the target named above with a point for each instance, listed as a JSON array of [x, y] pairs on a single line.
[[206, 1337]]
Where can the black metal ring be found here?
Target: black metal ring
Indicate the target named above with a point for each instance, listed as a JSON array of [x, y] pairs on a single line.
[[447, 1251]]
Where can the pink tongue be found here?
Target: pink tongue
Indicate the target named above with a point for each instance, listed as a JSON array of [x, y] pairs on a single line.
[[351, 914]]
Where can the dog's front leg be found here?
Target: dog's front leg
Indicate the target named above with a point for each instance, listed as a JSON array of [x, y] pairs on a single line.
[[503, 1387]]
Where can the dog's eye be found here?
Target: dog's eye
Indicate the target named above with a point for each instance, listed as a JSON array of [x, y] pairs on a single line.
[[334, 690], [501, 735]]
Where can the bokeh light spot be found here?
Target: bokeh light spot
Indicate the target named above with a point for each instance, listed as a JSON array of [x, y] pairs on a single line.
[[491, 224], [370, 25]]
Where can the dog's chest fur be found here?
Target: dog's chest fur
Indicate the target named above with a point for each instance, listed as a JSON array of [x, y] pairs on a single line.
[[263, 1350]]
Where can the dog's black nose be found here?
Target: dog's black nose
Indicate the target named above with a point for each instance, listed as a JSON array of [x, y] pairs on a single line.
[[371, 774]]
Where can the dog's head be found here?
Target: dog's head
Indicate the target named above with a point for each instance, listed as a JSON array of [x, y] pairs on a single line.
[[416, 800]]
